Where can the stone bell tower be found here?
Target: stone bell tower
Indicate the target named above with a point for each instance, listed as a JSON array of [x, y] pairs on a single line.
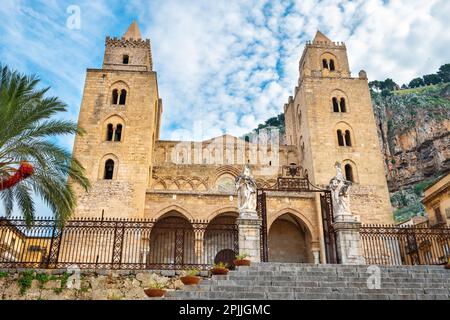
[[330, 119], [120, 114]]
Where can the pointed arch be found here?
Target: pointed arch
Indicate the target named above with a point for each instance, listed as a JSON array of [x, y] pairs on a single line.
[[174, 209]]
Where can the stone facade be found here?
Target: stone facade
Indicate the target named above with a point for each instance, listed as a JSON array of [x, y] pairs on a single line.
[[313, 121], [155, 179]]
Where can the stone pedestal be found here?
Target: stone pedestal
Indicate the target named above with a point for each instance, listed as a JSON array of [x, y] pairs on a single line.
[[250, 235], [348, 240]]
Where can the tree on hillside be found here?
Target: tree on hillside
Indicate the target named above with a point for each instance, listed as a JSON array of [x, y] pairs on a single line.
[[444, 72], [388, 84], [431, 79], [30, 163], [416, 82]]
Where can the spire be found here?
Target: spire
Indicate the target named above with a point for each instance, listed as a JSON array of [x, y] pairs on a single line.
[[133, 32], [320, 37]]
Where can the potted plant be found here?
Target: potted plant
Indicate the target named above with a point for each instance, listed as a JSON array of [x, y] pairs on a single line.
[[447, 266], [155, 290], [220, 269], [191, 277], [241, 260]]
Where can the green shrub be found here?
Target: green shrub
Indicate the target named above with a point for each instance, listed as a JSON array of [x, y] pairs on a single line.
[[25, 280]]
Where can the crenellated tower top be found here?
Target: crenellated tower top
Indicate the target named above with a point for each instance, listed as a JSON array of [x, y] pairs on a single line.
[[130, 52]]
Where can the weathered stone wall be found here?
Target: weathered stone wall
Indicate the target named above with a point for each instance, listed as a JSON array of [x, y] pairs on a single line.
[[132, 155], [314, 126], [101, 285]]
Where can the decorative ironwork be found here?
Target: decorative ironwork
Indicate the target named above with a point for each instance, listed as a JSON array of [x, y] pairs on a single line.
[[393, 245], [295, 179], [262, 213], [329, 236], [167, 244], [293, 184]]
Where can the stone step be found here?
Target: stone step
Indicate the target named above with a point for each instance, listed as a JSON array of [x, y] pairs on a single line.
[[380, 295], [299, 281]]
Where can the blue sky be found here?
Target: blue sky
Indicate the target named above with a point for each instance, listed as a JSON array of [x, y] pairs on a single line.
[[232, 64]]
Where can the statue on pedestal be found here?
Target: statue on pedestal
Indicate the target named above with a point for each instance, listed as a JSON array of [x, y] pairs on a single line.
[[246, 187], [340, 187]]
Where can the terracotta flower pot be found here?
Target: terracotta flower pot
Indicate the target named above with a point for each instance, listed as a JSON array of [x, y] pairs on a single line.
[[242, 263], [155, 293], [190, 280], [219, 271]]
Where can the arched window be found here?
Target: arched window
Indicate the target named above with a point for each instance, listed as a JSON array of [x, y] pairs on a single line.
[[335, 105], [123, 97], [349, 173], [109, 132], [325, 63], [109, 170], [348, 140], [340, 138], [343, 105], [126, 59], [118, 134], [332, 67], [115, 96]]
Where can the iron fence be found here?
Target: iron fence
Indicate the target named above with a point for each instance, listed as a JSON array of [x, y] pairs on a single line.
[[171, 243], [392, 245]]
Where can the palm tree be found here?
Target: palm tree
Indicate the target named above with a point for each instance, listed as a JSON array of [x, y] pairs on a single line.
[[29, 162]]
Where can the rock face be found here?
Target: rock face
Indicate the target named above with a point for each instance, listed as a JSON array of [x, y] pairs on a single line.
[[414, 132], [101, 285]]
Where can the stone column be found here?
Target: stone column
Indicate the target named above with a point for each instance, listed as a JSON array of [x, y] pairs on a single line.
[[348, 240], [250, 235]]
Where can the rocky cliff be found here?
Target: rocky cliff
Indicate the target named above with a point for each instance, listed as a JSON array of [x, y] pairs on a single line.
[[414, 133]]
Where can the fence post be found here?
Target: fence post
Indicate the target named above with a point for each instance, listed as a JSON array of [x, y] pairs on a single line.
[[55, 245], [118, 245]]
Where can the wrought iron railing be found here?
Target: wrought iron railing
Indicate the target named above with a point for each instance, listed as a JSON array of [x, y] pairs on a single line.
[[392, 245], [168, 244]]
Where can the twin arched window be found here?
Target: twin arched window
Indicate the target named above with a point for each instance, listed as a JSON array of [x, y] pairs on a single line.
[[339, 105], [329, 64], [119, 99], [114, 133], [344, 138]]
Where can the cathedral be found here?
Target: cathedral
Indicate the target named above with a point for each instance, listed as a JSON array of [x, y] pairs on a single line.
[[136, 175]]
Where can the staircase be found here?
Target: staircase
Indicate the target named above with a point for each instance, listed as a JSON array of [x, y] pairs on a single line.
[[284, 281]]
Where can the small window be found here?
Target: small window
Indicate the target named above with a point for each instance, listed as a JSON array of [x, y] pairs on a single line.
[[126, 59], [123, 97], [109, 170], [340, 138], [348, 140], [109, 132], [115, 96], [332, 67], [349, 173], [439, 216], [118, 133], [325, 63], [343, 105], [335, 105]]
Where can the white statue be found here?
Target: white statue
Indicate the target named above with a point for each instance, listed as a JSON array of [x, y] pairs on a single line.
[[246, 187], [340, 187]]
